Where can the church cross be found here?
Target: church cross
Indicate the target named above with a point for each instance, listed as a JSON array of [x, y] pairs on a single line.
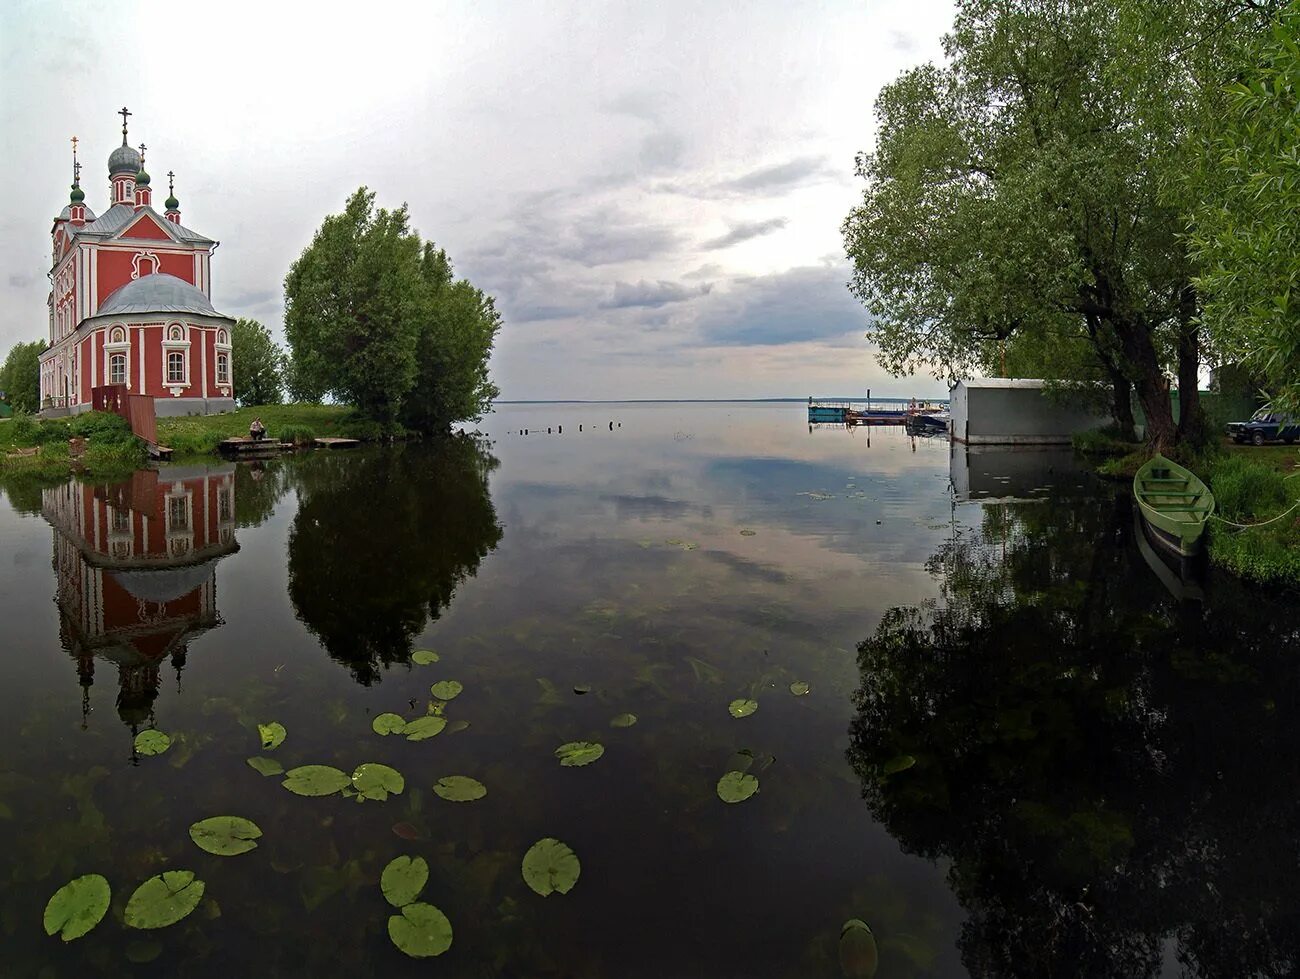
[[171, 190], [76, 167], [124, 112], [142, 149]]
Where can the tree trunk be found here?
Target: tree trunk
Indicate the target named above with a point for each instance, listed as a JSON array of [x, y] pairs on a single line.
[[1192, 427], [1149, 381]]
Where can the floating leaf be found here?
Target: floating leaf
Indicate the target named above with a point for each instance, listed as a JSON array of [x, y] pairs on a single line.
[[457, 725], [421, 931], [459, 788], [265, 766], [900, 763], [152, 742], [736, 786], [623, 720], [800, 688], [447, 689], [388, 723], [164, 900], [550, 866], [77, 907], [742, 707], [423, 728], [582, 688], [406, 831], [226, 836], [575, 754], [141, 952], [315, 780], [403, 880], [424, 657], [272, 735], [858, 955], [377, 782]]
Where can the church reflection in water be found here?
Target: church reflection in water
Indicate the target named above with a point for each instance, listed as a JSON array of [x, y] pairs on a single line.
[[136, 567]]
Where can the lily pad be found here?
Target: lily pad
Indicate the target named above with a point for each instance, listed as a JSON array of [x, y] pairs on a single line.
[[388, 723], [77, 907], [459, 788], [403, 880], [447, 689], [315, 780], [742, 707], [737, 786], [423, 728], [421, 931], [164, 900], [272, 735], [550, 866], [152, 742], [899, 763], [265, 766], [377, 782], [457, 725], [575, 754], [226, 836], [800, 688], [858, 955], [424, 657], [623, 720]]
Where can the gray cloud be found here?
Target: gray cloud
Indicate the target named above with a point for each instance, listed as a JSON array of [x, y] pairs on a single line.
[[19, 280], [743, 231], [652, 294], [780, 176], [796, 306]]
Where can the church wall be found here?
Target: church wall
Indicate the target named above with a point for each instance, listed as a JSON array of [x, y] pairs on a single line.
[[115, 265]]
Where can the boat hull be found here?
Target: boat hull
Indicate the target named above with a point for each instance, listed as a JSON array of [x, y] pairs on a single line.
[[1175, 506]]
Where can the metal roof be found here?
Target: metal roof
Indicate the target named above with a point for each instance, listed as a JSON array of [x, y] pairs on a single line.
[[157, 293], [1001, 382], [119, 216]]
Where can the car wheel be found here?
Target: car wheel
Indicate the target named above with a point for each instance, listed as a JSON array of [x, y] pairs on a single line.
[[1258, 438]]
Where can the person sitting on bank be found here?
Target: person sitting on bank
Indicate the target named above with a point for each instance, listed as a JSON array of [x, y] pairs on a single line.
[[257, 431]]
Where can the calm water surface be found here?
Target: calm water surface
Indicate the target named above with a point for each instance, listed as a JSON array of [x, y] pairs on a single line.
[[1021, 754]]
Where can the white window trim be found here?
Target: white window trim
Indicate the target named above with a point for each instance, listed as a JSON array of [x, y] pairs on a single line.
[[175, 346]]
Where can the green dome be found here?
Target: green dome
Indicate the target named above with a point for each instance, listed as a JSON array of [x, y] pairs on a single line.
[[78, 195], [172, 204], [142, 179]]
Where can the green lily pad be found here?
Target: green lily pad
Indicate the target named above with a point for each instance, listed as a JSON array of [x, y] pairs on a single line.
[[737, 786], [265, 766], [226, 836], [459, 788], [899, 763], [742, 707], [315, 780], [403, 880], [424, 657], [272, 735], [423, 728], [800, 688], [141, 952], [377, 782], [77, 907], [421, 931], [447, 689], [152, 743], [623, 720], [388, 723], [575, 754], [550, 866], [164, 900], [457, 725], [858, 955]]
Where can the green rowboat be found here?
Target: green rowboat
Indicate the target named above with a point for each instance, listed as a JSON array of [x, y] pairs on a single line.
[[1175, 504]]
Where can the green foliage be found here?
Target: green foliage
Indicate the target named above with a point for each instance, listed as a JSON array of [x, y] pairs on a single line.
[[459, 788], [421, 931], [578, 754], [272, 735], [550, 867], [315, 780], [377, 782], [152, 742], [403, 880], [77, 907], [736, 787], [374, 319], [20, 376], [164, 900], [258, 364], [22, 430], [225, 836], [297, 434], [1246, 491], [1250, 491], [1101, 442]]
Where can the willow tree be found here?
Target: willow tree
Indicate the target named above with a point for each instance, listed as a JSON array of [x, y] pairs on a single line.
[[1029, 187]]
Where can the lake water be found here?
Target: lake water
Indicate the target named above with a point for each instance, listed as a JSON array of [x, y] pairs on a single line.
[[1021, 754]]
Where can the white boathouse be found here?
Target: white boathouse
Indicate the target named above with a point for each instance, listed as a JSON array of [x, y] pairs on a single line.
[[1016, 411]]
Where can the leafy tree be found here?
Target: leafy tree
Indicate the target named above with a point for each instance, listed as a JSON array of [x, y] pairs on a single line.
[[258, 364], [20, 377], [374, 319]]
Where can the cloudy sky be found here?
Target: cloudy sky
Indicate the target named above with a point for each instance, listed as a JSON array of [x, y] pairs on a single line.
[[652, 191]]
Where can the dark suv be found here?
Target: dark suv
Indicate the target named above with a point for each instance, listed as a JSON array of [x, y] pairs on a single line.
[[1264, 426]]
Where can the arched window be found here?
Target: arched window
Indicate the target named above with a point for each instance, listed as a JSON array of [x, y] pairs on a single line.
[[117, 369], [175, 367], [223, 368], [221, 337]]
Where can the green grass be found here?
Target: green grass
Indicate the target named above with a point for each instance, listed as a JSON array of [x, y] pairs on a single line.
[[1251, 487], [1102, 442]]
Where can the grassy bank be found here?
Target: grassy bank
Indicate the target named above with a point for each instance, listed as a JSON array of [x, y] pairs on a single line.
[[1257, 486], [201, 434], [42, 449]]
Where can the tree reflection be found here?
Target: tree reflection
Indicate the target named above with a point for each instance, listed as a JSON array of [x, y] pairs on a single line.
[[380, 542], [1112, 776]]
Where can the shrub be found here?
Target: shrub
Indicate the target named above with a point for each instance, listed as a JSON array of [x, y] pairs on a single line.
[[100, 427], [297, 434], [363, 429], [188, 438], [1101, 441], [24, 429]]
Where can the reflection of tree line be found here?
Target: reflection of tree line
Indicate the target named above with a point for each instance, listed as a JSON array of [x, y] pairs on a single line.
[[1107, 772]]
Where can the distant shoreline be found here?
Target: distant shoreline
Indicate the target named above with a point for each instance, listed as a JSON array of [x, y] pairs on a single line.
[[703, 401]]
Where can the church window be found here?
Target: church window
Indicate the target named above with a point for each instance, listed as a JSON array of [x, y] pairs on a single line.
[[175, 367], [223, 506], [117, 369], [121, 520], [223, 369], [119, 335], [178, 514]]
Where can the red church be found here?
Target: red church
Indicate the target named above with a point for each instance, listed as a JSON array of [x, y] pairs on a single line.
[[130, 301]]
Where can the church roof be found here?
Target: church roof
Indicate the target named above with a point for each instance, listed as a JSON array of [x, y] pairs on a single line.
[[157, 293], [120, 215], [66, 213]]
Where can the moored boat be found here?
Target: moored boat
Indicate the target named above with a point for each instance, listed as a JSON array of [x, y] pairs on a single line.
[[1174, 503]]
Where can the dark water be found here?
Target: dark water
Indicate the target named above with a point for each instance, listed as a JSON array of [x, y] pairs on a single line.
[[1021, 754]]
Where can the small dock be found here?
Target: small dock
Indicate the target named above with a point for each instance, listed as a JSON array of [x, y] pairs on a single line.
[[243, 447], [336, 443]]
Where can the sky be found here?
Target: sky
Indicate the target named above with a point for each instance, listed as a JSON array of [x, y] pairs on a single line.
[[653, 193]]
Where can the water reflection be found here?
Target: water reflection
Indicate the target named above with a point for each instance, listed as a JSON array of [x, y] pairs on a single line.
[[135, 566], [380, 542], [1110, 773]]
